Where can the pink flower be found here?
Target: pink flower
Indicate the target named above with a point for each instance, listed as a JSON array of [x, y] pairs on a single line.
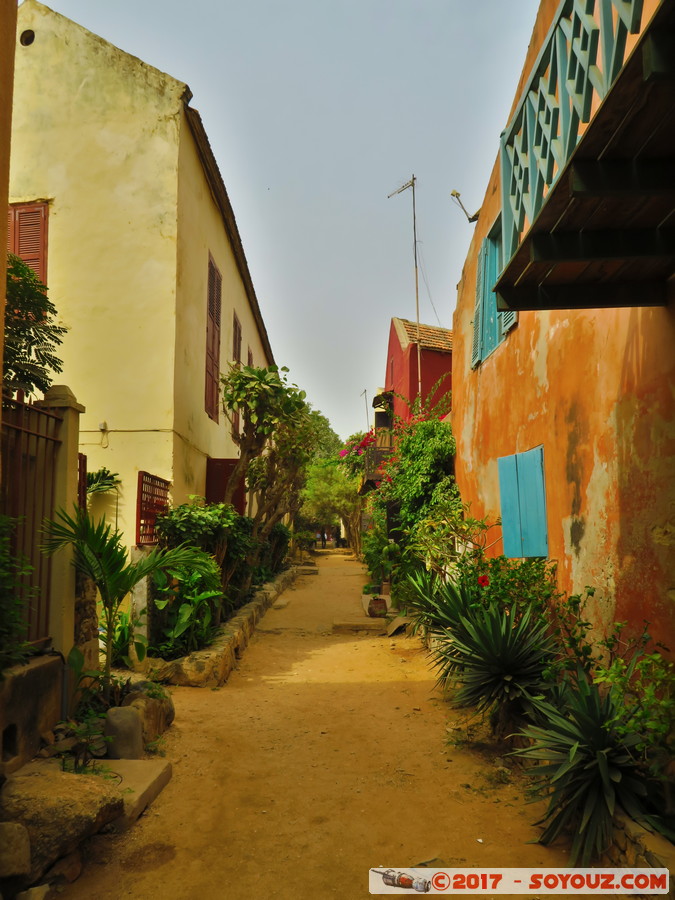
[[344, 452]]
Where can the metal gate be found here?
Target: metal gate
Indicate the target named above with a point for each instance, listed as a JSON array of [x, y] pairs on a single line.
[[29, 448]]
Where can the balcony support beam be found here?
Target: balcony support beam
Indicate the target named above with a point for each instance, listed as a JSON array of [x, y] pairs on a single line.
[[583, 296], [624, 179], [596, 246]]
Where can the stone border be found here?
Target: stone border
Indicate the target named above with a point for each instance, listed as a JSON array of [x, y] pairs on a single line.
[[635, 847], [211, 667]]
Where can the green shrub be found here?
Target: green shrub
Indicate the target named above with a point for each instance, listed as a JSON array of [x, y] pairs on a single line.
[[184, 603], [588, 767], [496, 660]]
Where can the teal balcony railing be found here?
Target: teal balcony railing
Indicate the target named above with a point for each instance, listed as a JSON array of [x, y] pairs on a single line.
[[577, 65]]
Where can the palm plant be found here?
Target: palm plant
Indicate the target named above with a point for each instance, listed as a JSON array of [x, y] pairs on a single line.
[[98, 553], [588, 766], [498, 658]]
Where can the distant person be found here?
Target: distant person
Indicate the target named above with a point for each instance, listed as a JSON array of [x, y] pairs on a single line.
[[336, 536], [323, 539]]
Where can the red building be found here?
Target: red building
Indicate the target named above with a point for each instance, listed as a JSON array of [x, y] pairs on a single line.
[[435, 355]]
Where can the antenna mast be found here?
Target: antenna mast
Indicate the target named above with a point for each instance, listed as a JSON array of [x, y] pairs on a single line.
[[404, 187]]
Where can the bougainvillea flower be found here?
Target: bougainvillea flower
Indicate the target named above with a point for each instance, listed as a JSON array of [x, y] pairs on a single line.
[[483, 580]]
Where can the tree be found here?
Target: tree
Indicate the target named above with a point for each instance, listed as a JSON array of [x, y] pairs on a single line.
[[264, 400], [331, 491], [31, 333]]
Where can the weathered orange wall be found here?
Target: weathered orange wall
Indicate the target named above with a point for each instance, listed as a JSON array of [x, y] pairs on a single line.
[[597, 389]]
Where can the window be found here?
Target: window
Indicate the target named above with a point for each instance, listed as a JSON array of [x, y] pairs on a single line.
[[523, 504], [236, 356], [250, 357], [214, 302], [489, 325], [27, 235], [236, 339], [151, 500]]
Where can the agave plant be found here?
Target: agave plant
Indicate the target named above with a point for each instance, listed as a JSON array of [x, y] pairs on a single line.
[[498, 658], [436, 605], [98, 552], [588, 766]]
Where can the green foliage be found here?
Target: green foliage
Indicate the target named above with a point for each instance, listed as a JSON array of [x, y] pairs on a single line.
[[645, 689], [13, 646], [204, 525], [264, 401], [587, 767], [102, 481], [330, 492], [124, 637], [445, 533], [353, 456], [99, 554], [419, 474], [31, 335], [188, 600], [89, 688], [499, 658], [437, 605], [503, 582]]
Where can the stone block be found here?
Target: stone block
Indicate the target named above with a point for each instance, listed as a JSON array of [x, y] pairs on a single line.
[[66, 870], [58, 809], [124, 726], [39, 892], [14, 849], [156, 713]]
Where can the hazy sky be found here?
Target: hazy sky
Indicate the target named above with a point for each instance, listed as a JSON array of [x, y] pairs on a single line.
[[317, 110]]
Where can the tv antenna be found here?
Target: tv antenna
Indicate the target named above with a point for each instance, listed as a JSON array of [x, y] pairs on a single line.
[[404, 187]]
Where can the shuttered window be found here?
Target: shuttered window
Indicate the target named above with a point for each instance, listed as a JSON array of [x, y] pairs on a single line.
[[27, 235], [489, 324], [214, 305], [236, 357], [236, 339], [523, 504]]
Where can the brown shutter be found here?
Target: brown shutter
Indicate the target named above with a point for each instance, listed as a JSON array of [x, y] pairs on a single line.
[[236, 339], [212, 375], [27, 236], [218, 473]]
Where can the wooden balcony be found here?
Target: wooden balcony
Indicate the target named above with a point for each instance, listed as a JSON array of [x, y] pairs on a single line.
[[588, 164]]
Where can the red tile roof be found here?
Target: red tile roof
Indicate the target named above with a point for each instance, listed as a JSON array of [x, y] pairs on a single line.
[[430, 337]]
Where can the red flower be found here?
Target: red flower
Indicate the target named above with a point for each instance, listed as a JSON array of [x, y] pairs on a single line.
[[483, 580]]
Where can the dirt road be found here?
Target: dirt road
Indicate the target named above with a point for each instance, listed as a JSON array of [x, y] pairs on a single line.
[[323, 755]]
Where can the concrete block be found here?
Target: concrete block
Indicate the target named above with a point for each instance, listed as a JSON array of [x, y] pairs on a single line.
[[142, 780]]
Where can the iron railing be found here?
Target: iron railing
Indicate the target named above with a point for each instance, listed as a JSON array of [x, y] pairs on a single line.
[[577, 65]]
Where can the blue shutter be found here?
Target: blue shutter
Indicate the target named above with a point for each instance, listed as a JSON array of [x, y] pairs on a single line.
[[532, 497], [510, 506], [508, 317], [477, 345]]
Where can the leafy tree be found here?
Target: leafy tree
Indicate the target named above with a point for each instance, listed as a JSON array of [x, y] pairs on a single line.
[[331, 491], [264, 400], [31, 333]]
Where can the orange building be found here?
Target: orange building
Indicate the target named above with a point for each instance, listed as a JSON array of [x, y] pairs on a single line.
[[564, 332]]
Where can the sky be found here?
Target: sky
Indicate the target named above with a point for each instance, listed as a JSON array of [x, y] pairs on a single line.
[[316, 111]]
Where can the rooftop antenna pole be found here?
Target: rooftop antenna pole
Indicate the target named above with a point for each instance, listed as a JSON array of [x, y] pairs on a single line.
[[404, 187], [365, 394]]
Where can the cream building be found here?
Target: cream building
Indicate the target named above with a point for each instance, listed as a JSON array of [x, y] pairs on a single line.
[[117, 199]]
